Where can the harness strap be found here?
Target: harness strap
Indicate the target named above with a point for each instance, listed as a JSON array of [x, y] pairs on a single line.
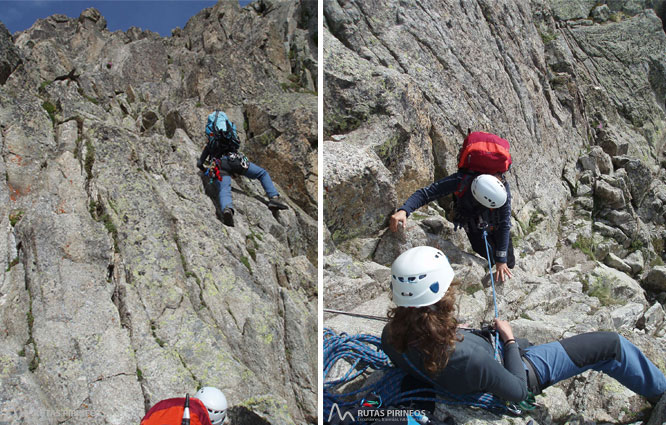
[[463, 186], [533, 384]]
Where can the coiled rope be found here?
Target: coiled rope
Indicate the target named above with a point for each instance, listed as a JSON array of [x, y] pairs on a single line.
[[363, 353]]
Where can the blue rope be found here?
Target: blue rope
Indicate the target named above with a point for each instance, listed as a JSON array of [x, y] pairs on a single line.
[[492, 282], [363, 352]]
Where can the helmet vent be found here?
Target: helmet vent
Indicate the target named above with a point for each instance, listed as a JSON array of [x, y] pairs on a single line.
[[401, 279], [411, 279], [423, 276], [406, 294], [434, 287]]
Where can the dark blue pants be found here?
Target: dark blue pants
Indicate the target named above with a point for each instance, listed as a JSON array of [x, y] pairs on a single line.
[[605, 352], [253, 172], [479, 246]]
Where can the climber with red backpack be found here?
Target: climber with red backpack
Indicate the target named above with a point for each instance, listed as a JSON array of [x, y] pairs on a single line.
[[226, 162], [482, 197], [207, 407]]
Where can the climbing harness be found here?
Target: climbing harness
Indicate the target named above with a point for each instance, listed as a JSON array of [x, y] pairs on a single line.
[[237, 162], [231, 164]]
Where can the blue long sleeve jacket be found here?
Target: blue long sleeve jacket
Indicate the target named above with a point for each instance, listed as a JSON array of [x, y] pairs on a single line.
[[499, 218]]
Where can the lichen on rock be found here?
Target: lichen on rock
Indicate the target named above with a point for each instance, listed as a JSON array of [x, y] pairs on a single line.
[[120, 287], [576, 87]]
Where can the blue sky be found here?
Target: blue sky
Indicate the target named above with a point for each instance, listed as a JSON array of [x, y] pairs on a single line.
[[160, 16]]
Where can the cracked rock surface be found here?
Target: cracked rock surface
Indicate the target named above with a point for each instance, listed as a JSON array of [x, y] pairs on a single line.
[[577, 88], [119, 287]]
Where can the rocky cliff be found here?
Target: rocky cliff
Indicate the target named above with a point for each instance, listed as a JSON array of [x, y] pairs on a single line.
[[578, 89], [119, 285]]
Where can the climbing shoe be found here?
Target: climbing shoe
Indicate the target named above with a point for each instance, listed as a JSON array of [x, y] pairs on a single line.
[[275, 204], [228, 217]]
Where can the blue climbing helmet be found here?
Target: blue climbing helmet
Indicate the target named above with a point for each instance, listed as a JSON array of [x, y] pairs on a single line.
[[420, 277]]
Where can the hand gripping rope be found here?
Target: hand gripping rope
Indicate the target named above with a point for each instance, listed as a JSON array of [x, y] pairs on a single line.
[[525, 404]]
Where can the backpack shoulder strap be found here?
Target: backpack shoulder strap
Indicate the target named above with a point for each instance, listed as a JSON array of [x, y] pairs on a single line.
[[215, 121], [464, 184]]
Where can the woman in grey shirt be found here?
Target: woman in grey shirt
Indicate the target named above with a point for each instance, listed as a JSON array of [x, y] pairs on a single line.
[[422, 337]]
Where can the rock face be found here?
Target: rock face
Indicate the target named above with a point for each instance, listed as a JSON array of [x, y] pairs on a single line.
[[577, 88], [9, 55], [119, 285]]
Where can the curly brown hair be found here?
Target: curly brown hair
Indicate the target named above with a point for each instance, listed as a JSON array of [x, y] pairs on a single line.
[[431, 330]]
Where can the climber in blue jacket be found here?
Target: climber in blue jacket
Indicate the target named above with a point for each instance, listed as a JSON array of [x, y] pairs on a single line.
[[483, 203], [227, 161]]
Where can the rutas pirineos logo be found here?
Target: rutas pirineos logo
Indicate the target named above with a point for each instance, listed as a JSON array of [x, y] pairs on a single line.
[[372, 415]]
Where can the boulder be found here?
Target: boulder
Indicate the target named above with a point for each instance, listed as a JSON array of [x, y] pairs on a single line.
[[615, 286], [611, 232], [572, 10], [624, 221], [601, 13], [656, 279], [353, 172], [627, 315], [616, 262], [653, 317], [640, 179], [611, 143], [602, 159], [608, 195], [636, 261]]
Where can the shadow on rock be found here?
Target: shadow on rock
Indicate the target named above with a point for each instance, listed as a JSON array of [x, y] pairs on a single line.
[[240, 415]]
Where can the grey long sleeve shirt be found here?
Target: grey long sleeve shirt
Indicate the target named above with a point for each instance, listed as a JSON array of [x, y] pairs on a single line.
[[472, 368]]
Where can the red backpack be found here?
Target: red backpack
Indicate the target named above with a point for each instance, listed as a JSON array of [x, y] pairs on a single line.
[[484, 153], [170, 412]]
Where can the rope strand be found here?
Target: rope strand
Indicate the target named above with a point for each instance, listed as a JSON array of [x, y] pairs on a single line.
[[492, 282]]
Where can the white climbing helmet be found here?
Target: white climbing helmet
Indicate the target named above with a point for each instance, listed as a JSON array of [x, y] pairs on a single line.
[[420, 276], [489, 191], [215, 402]]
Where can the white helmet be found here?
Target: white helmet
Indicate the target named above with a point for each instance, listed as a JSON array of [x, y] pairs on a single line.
[[420, 276], [215, 402], [489, 191]]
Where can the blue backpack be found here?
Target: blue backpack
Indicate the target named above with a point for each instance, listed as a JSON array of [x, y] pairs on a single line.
[[222, 135]]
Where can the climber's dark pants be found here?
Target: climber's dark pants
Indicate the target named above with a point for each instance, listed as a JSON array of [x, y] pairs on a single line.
[[476, 239]]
